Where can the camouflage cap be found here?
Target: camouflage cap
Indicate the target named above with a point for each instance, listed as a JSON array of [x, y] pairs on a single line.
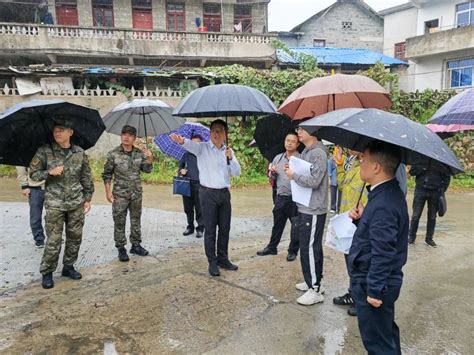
[[129, 129], [62, 122]]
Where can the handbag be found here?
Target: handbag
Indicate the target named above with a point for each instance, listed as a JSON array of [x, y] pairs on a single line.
[[442, 205], [181, 186]]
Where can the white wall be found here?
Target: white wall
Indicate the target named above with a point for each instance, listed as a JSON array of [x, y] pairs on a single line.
[[444, 10], [397, 28]]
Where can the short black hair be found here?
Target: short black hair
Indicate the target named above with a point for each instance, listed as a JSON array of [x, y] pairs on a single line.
[[219, 122], [292, 133], [386, 154]]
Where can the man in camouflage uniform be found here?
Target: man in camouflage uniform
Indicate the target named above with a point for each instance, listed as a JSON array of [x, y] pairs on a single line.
[[69, 189], [124, 165]]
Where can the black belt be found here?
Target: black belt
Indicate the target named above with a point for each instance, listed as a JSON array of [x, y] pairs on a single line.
[[211, 189]]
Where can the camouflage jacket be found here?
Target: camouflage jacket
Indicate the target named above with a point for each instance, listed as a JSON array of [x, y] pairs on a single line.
[[70, 189], [125, 170]]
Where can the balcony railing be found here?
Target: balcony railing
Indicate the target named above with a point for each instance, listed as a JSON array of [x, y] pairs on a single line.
[[132, 42]]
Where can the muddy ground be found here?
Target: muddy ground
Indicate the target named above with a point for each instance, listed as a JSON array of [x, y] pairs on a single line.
[[166, 303]]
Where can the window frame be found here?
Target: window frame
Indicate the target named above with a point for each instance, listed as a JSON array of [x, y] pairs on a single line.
[[469, 11], [103, 7], [175, 15], [211, 16], [319, 40], [398, 45], [450, 72], [243, 17]]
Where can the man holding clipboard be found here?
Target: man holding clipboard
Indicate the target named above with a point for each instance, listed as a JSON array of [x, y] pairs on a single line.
[[312, 216]]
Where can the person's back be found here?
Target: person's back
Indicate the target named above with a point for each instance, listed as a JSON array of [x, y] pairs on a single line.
[[351, 185], [386, 203]]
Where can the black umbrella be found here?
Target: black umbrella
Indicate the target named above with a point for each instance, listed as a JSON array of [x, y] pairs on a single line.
[[224, 100], [270, 133], [354, 128], [27, 126]]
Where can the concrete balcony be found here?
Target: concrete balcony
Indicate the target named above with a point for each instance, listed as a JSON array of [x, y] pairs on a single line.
[[90, 45], [453, 40]]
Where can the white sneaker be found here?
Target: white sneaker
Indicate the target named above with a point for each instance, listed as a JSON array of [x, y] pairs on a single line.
[[310, 297], [302, 286]]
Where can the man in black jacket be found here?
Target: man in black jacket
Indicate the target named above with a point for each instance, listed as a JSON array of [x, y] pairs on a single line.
[[188, 168], [379, 250], [430, 185]]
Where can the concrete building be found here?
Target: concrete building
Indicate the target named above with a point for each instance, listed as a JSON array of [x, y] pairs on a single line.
[[436, 37], [344, 24]]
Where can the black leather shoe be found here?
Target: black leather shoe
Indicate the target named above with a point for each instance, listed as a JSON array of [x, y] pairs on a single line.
[[199, 234], [267, 251], [352, 311], [226, 264], [411, 239], [189, 230], [48, 280], [39, 243], [214, 269], [291, 256], [122, 254], [139, 250], [69, 271]]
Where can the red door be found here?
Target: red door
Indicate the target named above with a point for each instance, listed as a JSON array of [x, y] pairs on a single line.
[[67, 15], [142, 19]]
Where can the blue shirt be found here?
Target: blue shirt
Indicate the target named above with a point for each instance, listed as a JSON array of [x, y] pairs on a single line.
[[214, 172]]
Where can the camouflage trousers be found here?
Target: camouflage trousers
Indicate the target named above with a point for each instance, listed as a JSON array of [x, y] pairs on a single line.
[[55, 220], [120, 207]]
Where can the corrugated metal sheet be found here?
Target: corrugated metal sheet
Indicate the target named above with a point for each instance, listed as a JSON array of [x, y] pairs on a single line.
[[328, 55]]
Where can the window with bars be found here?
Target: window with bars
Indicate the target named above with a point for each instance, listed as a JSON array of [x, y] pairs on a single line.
[[175, 16], [346, 25], [465, 14], [460, 73], [242, 18], [103, 13], [212, 17], [400, 49]]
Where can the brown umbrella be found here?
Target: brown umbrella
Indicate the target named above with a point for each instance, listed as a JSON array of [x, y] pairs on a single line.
[[321, 95]]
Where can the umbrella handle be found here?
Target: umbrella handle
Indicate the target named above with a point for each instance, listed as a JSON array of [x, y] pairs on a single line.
[[227, 139]]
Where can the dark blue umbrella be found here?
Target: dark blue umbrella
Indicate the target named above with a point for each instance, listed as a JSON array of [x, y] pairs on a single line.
[[224, 100], [354, 128], [457, 110], [27, 126], [188, 130]]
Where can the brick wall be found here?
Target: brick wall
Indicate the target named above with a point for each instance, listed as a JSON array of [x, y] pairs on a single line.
[[366, 30]]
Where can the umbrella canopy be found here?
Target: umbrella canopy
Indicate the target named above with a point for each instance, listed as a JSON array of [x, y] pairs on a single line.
[[449, 130], [354, 128], [322, 95], [27, 126], [270, 133], [188, 130], [457, 110], [149, 117], [224, 100]]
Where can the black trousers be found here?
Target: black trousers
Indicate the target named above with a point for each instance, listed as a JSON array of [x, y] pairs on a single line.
[[36, 201], [285, 209], [379, 332], [192, 204], [335, 198], [422, 196], [216, 212], [311, 229]]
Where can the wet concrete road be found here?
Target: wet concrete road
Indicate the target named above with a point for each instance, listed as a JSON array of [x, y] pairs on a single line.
[[166, 303]]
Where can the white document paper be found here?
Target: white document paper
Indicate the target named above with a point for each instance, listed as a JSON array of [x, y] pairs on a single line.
[[340, 232], [299, 193]]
